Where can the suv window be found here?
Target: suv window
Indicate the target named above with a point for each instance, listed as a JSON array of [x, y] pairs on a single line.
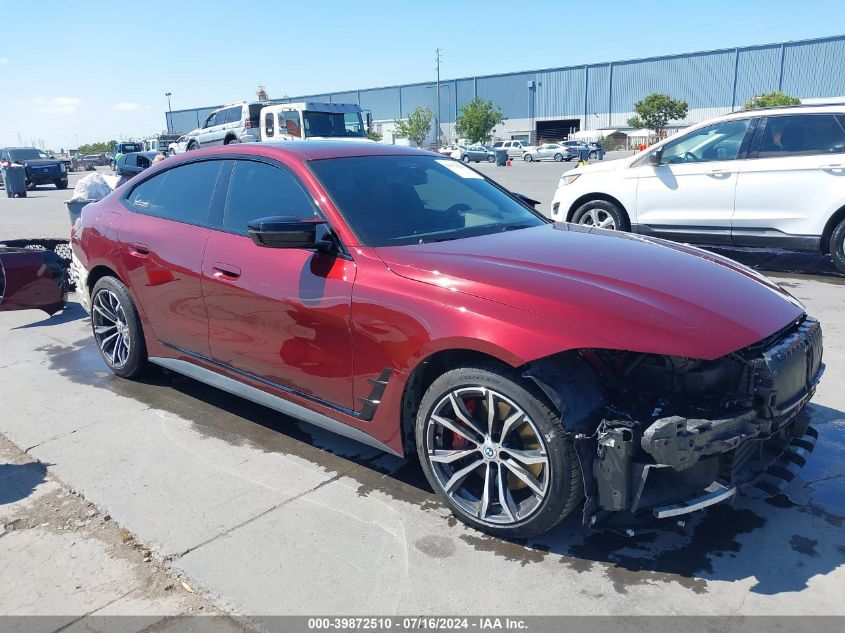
[[269, 127], [720, 141], [233, 115], [211, 121], [802, 135], [182, 194], [258, 190]]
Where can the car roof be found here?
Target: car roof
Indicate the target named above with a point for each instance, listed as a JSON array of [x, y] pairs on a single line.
[[314, 150]]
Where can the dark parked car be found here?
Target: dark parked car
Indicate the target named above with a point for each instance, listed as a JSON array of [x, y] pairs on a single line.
[[412, 304], [40, 168], [130, 165]]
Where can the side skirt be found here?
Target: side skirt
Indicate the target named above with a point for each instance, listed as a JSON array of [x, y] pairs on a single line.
[[243, 390]]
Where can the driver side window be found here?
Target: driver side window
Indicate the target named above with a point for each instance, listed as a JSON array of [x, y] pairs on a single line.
[[720, 141]]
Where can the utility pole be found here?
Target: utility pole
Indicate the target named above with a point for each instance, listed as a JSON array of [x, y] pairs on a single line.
[[437, 62], [169, 111]]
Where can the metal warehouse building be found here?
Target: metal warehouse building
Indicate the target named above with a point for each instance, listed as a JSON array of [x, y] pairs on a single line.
[[554, 102]]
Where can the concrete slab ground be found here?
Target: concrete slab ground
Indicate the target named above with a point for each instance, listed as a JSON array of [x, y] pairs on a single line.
[[266, 515]]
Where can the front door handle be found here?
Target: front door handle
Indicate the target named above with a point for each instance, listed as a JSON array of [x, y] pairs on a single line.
[[139, 250], [717, 172], [835, 166], [226, 272]]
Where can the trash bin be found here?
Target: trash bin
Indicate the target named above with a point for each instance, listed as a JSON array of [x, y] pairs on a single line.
[[501, 157], [74, 208], [600, 152], [584, 154], [14, 177]]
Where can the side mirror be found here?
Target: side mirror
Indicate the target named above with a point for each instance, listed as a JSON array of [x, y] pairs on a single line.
[[284, 231], [529, 201], [654, 157], [369, 121]]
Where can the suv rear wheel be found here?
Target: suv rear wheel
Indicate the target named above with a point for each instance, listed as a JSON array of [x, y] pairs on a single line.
[[192, 146], [495, 452], [602, 214], [837, 246]]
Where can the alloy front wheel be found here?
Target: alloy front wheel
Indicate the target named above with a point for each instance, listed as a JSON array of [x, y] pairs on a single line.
[[487, 455], [599, 218]]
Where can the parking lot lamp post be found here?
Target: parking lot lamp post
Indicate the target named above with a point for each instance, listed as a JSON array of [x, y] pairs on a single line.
[[169, 112]]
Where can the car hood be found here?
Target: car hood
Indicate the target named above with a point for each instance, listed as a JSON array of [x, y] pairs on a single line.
[[636, 293]]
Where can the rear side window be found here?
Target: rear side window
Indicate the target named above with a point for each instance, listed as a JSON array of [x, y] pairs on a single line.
[[182, 194], [289, 121], [255, 113], [233, 115], [269, 127], [802, 135], [258, 190]]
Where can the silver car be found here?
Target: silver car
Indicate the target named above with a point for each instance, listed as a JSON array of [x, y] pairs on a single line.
[[550, 151], [233, 123]]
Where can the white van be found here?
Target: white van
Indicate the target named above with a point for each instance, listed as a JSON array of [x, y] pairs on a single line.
[[312, 120]]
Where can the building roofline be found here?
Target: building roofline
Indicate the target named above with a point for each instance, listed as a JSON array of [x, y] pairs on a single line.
[[731, 49]]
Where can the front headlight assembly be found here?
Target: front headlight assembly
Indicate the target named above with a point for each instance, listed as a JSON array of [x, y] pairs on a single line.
[[568, 179]]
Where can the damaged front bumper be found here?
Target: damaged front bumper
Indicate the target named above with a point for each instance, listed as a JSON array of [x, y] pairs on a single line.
[[678, 465], [637, 464]]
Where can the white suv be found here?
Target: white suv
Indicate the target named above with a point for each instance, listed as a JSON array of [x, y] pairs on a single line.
[[515, 149], [233, 123], [766, 177]]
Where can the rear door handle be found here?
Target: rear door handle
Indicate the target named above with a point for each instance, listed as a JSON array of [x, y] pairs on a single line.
[[717, 172], [834, 166], [139, 250], [226, 271]]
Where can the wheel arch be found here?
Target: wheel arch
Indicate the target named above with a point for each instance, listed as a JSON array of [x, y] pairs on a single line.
[[596, 195], [426, 372], [834, 220], [230, 137], [98, 272]]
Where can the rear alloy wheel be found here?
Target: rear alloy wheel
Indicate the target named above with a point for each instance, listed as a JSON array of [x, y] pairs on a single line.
[[601, 214], [192, 146], [232, 141], [558, 158], [592, 154], [491, 159], [837, 246], [496, 454], [465, 158], [117, 329], [527, 158]]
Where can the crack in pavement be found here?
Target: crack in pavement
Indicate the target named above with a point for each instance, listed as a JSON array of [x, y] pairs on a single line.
[[255, 518]]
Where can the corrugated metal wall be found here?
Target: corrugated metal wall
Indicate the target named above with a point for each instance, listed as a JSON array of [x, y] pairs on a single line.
[[712, 82]]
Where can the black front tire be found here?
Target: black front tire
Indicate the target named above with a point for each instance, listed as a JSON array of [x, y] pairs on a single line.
[[620, 218], [136, 364], [193, 145], [31, 186], [232, 141], [491, 159], [465, 159], [837, 246], [565, 486], [61, 184]]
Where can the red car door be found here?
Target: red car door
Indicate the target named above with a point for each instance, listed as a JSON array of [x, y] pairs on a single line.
[[162, 246], [279, 314]]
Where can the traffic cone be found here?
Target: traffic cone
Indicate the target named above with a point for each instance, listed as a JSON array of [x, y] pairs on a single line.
[[509, 162]]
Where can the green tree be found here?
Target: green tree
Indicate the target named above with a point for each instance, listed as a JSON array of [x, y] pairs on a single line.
[[656, 110], [417, 126], [374, 136], [101, 147], [771, 99], [477, 120]]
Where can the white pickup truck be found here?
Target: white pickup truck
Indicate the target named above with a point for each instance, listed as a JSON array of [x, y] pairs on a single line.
[[315, 121]]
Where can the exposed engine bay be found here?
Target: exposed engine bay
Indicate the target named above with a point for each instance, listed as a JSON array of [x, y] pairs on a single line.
[[673, 434]]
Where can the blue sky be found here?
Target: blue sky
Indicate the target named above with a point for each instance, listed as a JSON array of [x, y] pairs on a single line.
[[94, 70]]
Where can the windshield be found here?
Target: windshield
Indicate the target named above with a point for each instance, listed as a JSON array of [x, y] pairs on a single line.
[[18, 155], [333, 124], [395, 200]]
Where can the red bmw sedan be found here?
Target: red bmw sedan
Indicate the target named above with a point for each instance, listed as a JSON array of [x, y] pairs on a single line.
[[404, 300]]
